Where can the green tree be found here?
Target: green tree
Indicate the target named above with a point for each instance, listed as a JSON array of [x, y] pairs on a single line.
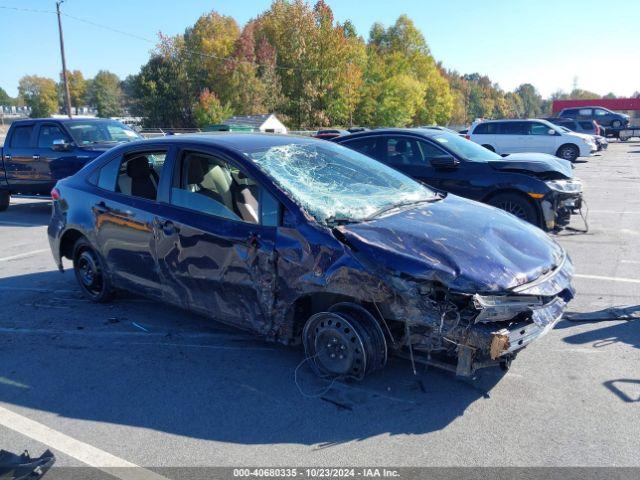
[[209, 111], [531, 100], [5, 99], [39, 94], [106, 94], [77, 88]]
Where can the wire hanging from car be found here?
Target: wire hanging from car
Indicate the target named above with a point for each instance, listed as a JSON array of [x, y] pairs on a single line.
[[321, 392]]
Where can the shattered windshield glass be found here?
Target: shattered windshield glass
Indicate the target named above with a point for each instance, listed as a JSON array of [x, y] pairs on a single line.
[[335, 184]]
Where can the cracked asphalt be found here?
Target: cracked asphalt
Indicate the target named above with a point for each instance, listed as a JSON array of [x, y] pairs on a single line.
[[160, 387]]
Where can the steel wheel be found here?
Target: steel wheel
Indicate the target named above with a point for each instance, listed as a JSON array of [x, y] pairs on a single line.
[[344, 344], [616, 124], [90, 274]]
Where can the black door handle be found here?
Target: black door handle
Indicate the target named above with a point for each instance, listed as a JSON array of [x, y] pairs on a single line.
[[101, 207]]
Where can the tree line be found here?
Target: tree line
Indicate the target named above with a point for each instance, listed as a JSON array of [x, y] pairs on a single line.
[[297, 60]]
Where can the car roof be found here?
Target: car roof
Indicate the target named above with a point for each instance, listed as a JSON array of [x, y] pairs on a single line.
[[239, 141], [422, 132]]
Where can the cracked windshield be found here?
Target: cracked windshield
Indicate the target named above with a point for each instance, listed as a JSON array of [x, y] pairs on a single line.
[[336, 185]]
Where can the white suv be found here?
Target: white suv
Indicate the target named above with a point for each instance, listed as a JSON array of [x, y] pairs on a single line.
[[516, 136]]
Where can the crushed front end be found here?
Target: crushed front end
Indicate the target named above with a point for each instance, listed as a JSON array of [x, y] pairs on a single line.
[[563, 200], [465, 332]]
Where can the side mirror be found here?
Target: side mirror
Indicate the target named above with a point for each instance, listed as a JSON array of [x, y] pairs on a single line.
[[551, 131], [61, 145], [445, 162]]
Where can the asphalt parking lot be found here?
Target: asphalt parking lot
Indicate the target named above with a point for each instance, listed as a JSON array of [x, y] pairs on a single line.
[[140, 383]]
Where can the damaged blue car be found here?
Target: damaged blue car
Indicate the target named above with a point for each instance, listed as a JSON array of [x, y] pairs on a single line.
[[307, 242]]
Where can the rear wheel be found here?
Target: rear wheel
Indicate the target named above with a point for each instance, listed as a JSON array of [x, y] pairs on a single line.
[[4, 200], [90, 272], [516, 205], [344, 342], [568, 152]]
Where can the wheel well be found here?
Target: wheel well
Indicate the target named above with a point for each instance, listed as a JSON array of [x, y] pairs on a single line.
[[489, 147], [68, 240], [299, 312], [568, 145], [511, 191]]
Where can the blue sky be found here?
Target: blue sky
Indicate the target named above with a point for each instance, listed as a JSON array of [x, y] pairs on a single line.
[[545, 42]]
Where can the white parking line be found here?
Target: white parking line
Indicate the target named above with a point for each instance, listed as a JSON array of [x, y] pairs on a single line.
[[81, 451], [634, 262], [8, 223], [613, 212], [24, 255], [610, 279]]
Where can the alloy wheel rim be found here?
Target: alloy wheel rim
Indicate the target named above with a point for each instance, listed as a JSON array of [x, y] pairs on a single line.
[[514, 209]]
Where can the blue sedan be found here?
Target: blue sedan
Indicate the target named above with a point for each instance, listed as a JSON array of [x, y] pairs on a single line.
[[305, 241]]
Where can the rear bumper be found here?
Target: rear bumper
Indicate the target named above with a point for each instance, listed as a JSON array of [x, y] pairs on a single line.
[[54, 233]]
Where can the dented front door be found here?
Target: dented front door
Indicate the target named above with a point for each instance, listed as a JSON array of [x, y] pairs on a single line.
[[220, 267]]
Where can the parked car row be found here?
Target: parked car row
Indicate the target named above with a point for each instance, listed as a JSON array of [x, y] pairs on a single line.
[[516, 136], [357, 248]]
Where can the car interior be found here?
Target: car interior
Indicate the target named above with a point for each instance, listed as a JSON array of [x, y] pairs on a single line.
[[213, 178], [138, 176]]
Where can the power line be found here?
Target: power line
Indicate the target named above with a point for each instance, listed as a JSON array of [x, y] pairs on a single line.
[[186, 50], [32, 10]]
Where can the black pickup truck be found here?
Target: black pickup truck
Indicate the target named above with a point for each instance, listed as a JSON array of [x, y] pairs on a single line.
[[38, 152]]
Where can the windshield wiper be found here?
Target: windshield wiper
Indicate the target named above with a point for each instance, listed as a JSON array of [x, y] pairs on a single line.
[[334, 222], [404, 203]]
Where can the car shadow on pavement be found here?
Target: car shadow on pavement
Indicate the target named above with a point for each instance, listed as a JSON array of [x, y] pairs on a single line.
[[626, 389], [626, 328], [26, 213], [184, 375]]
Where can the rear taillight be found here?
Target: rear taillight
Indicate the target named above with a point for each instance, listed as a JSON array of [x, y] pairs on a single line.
[[597, 128], [55, 194], [467, 136]]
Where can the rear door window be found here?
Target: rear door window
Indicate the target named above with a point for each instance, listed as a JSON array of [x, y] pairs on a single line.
[[587, 125], [514, 128], [585, 112], [22, 136], [136, 174], [403, 151], [366, 146]]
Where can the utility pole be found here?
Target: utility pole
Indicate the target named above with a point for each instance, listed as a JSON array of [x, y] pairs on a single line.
[[67, 97]]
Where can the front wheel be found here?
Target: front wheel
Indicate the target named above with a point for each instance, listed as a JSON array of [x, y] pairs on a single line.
[[568, 152], [4, 200], [616, 124], [88, 267], [344, 342], [516, 205]]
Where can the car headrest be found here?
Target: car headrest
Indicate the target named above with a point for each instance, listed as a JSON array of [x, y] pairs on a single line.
[[197, 169], [402, 146], [138, 167]]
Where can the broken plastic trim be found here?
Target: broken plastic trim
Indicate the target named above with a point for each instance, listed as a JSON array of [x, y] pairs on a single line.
[[501, 308]]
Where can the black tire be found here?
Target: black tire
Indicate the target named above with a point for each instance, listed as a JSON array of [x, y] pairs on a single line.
[[5, 198], [489, 147], [344, 342], [616, 124], [568, 152], [89, 268], [517, 205]]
